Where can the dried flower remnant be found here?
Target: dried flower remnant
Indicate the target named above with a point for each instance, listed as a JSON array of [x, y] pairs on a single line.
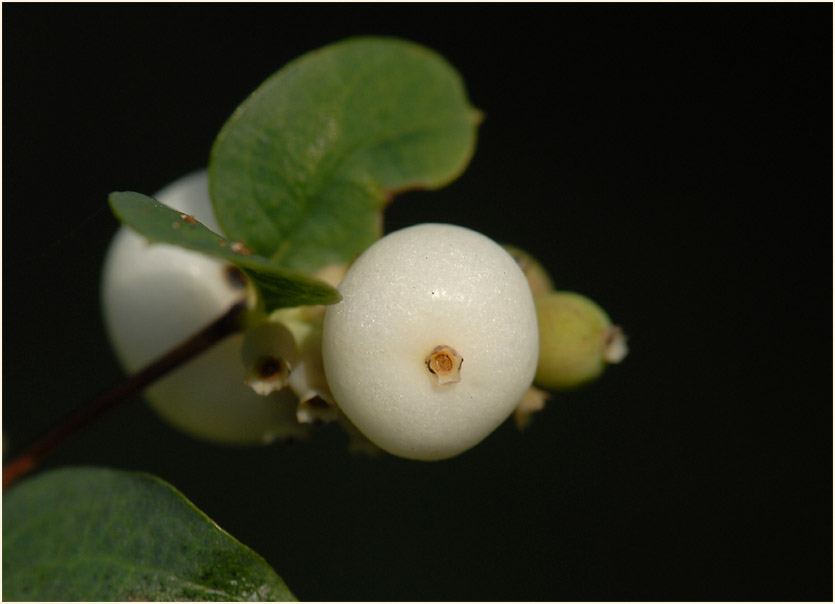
[[445, 365], [269, 353], [268, 374], [616, 348], [316, 410]]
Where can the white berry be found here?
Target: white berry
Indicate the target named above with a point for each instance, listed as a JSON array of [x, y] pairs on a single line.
[[156, 295], [434, 343]]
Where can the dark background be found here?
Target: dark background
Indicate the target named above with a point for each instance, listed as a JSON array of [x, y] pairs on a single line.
[[673, 162]]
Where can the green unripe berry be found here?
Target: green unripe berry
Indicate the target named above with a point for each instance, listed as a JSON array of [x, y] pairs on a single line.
[[576, 339], [538, 278]]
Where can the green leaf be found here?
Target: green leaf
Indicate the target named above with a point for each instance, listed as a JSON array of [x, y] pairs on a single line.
[[304, 167], [280, 287], [97, 534]]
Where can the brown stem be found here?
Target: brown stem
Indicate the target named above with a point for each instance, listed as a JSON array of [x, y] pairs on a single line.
[[25, 461]]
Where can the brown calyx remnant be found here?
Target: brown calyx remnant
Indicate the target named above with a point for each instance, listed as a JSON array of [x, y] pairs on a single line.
[[270, 367], [445, 365], [268, 374]]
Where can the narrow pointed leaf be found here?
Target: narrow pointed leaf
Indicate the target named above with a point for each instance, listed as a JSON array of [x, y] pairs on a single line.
[[105, 535], [304, 167], [280, 287]]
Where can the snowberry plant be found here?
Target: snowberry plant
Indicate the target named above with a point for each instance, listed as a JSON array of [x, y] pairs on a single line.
[[418, 343]]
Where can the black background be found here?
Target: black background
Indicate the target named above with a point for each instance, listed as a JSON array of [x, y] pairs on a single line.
[[673, 162]]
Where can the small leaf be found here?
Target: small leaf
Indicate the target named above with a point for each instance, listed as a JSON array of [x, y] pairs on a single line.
[[159, 223], [304, 167], [97, 534]]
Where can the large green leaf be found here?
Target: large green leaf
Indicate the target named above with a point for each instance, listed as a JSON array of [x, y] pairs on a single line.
[[304, 167], [96, 534], [159, 223]]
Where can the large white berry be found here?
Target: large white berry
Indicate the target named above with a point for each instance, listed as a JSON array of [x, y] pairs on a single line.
[[434, 343], [156, 295]]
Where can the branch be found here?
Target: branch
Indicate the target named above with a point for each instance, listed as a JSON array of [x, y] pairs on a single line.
[[26, 460]]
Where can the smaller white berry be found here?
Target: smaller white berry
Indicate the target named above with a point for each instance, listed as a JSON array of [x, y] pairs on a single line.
[[156, 295], [434, 343]]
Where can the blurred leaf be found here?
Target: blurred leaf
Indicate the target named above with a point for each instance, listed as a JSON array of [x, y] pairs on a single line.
[[97, 534], [304, 167], [159, 223]]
